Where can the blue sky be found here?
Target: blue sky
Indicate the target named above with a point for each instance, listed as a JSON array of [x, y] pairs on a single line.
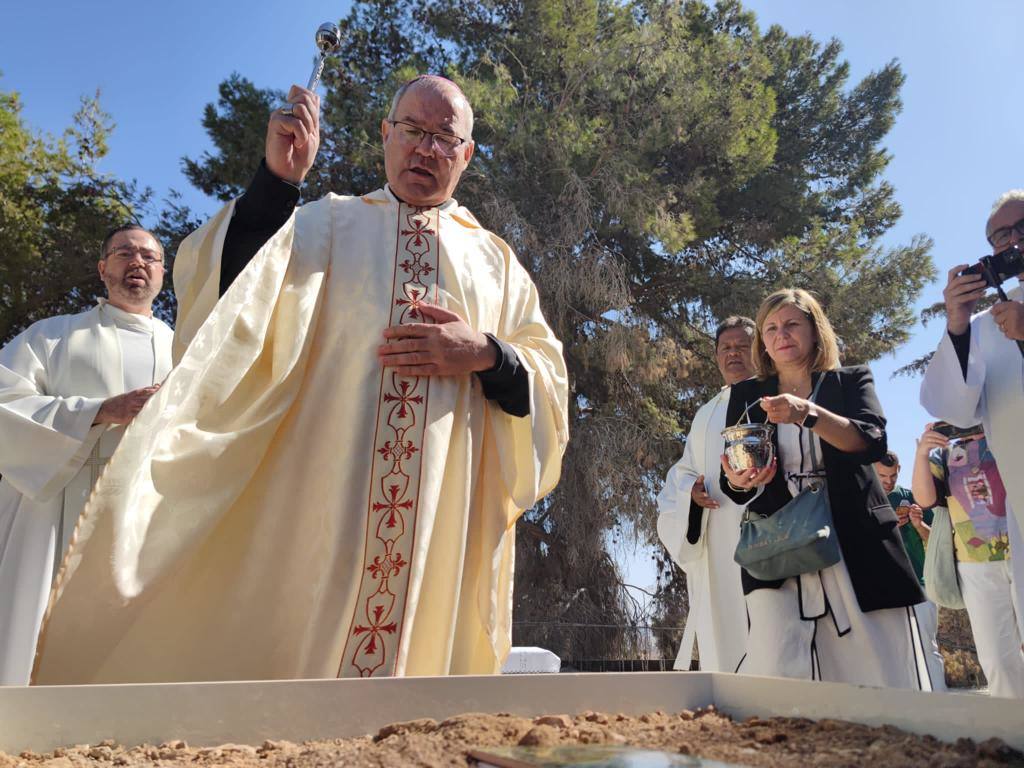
[[956, 146]]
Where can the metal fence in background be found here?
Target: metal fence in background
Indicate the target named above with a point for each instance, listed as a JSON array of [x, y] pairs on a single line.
[[649, 648], [633, 647]]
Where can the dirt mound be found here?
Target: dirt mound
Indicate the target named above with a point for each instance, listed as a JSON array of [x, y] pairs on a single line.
[[776, 741]]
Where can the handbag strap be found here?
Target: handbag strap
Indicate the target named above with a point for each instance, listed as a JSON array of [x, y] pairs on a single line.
[[814, 394], [814, 454]]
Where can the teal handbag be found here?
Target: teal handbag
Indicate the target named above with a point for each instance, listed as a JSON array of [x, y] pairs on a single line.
[[941, 581], [798, 538]]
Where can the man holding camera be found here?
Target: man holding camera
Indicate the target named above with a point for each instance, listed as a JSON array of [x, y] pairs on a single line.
[[977, 373]]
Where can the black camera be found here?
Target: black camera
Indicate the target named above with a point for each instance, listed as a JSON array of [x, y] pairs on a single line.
[[999, 267], [957, 433]]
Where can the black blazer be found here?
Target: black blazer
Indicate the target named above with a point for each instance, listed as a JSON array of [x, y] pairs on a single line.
[[865, 524]]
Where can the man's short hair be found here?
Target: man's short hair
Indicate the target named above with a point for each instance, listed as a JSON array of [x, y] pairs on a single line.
[[129, 227], [734, 321], [889, 460], [1007, 197], [437, 80], [1010, 196]]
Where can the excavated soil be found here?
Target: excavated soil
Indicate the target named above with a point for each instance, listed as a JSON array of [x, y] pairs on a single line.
[[707, 733]]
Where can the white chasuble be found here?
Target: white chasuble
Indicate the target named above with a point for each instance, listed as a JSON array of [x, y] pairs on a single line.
[[287, 508], [53, 379]]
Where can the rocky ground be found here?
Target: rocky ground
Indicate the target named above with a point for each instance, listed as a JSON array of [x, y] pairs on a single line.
[[705, 733]]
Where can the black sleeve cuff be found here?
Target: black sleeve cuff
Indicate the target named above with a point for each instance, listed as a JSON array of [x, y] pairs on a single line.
[[962, 346], [876, 438], [259, 213], [507, 383], [693, 525], [738, 495]]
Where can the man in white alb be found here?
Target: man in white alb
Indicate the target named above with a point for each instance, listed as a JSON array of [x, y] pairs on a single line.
[[699, 525], [68, 384], [977, 372]]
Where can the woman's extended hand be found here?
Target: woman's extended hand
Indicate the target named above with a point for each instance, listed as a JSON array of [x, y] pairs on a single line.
[[785, 409], [748, 478]]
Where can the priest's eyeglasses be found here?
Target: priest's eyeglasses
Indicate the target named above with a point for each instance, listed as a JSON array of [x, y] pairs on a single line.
[[445, 144], [1001, 237], [149, 257]]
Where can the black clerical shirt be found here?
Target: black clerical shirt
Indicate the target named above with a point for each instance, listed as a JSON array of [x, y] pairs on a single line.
[[266, 206]]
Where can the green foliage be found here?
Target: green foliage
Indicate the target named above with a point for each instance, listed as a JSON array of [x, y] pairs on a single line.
[[656, 166], [237, 126], [55, 208]]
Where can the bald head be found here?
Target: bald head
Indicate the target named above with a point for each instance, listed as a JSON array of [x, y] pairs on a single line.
[[427, 140], [443, 87]]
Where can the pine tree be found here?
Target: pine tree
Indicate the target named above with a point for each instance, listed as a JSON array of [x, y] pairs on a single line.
[[656, 166]]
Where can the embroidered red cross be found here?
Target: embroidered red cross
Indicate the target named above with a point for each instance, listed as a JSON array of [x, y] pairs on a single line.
[[404, 398], [414, 301], [418, 231], [393, 506], [375, 629]]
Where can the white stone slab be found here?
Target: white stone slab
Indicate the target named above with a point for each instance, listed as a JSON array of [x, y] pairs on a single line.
[[530, 660]]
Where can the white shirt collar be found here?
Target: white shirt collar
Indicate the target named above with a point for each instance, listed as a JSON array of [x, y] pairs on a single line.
[[446, 206], [128, 320]]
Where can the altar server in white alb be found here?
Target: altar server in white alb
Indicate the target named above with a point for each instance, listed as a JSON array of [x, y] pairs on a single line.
[[699, 525], [977, 372], [68, 385], [327, 484]]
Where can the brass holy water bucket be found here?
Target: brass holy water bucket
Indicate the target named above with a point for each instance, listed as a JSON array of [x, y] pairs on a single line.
[[749, 446]]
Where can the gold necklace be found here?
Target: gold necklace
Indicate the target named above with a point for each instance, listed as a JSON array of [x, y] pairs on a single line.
[[794, 389]]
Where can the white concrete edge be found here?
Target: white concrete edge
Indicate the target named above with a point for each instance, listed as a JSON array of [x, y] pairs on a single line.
[[946, 716], [208, 714]]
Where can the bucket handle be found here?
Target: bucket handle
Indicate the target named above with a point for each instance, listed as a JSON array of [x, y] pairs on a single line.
[[746, 413]]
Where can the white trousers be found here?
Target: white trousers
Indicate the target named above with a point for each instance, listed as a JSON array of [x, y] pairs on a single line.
[[991, 602], [811, 628], [927, 614], [1017, 568]]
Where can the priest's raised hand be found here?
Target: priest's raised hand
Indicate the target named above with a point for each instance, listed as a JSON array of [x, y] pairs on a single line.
[[293, 139]]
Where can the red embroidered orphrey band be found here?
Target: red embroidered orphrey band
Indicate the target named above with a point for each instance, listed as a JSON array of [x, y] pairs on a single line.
[[376, 629]]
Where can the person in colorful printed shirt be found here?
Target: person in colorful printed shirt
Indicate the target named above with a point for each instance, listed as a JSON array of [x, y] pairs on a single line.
[[962, 475]]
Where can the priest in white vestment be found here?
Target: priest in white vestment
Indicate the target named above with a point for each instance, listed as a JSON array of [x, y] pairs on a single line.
[[327, 484], [68, 384], [977, 372], [699, 525]]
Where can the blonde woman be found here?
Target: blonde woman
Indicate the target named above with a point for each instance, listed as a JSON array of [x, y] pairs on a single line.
[[851, 622]]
